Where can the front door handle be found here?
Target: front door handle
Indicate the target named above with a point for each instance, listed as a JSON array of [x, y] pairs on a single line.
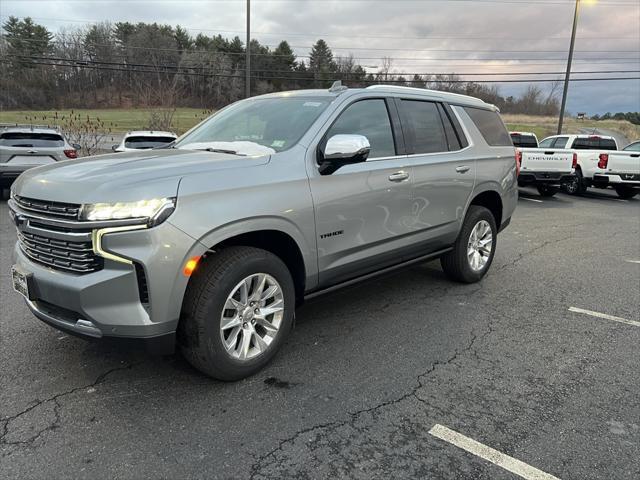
[[463, 168], [400, 176]]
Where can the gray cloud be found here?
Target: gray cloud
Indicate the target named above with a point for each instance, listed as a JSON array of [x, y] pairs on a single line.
[[470, 30]]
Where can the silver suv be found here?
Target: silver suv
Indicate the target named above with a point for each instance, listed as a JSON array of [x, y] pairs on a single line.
[[211, 243]]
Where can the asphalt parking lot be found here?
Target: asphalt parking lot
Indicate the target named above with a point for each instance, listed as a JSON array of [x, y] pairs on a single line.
[[367, 374]]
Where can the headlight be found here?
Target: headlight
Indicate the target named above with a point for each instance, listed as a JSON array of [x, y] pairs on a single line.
[[152, 211]]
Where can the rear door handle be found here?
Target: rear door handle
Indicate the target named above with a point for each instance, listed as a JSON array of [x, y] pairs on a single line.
[[399, 176], [463, 169]]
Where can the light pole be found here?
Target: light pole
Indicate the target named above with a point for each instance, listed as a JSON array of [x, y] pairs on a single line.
[[247, 87], [568, 74]]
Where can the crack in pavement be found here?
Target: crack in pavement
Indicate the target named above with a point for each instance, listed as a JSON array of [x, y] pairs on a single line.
[[353, 416], [56, 409]]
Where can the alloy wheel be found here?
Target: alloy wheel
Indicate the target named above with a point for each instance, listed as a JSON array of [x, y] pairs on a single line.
[[251, 317], [479, 245]]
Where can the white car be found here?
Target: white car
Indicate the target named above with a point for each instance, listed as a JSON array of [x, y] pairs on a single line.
[[590, 150], [524, 139], [144, 140]]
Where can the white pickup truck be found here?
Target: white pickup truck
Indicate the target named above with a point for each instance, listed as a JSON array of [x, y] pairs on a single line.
[[620, 170], [545, 168], [591, 150]]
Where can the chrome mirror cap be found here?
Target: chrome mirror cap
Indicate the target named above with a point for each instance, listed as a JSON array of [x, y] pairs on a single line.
[[344, 147]]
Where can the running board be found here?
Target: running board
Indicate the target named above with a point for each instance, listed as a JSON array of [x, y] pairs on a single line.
[[377, 273]]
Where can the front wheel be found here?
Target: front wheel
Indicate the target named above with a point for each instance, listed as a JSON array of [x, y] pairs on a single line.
[[474, 248], [625, 191], [546, 190], [237, 312]]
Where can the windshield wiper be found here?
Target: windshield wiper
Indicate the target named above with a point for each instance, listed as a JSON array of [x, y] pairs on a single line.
[[224, 150]]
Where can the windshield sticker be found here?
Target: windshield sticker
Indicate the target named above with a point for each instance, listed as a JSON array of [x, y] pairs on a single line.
[[312, 104], [278, 143]]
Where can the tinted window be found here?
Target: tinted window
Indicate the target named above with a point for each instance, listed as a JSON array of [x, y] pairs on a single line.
[[277, 123], [561, 142], [423, 127], [634, 147], [490, 126], [525, 141], [449, 130], [594, 143], [147, 142], [547, 142], [30, 139], [371, 119]]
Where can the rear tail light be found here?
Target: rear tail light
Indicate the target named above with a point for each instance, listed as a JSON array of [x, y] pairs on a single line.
[[71, 153], [574, 162], [603, 160], [518, 161]]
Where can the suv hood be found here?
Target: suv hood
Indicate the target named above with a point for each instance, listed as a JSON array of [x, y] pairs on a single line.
[[124, 177]]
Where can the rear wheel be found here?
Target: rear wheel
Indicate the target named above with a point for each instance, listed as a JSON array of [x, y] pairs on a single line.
[[474, 249], [575, 186], [237, 312], [546, 190], [625, 191]]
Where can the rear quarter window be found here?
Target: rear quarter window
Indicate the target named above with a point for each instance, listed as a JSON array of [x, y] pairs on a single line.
[[490, 126]]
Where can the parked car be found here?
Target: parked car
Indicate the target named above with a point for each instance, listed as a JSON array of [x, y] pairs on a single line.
[[272, 200], [620, 171], [26, 146], [546, 169], [524, 139], [144, 140], [589, 150]]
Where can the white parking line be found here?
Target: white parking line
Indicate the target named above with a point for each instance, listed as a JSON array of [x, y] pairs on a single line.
[[632, 261], [604, 315], [531, 199], [491, 455]]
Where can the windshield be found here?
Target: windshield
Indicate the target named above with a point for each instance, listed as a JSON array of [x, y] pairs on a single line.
[[634, 147], [258, 126], [31, 139], [146, 142]]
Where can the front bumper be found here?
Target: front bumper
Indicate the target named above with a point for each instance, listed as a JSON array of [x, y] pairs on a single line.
[[108, 303], [602, 179], [547, 178]]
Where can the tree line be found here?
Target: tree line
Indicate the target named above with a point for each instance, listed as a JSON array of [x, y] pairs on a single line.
[[150, 65]]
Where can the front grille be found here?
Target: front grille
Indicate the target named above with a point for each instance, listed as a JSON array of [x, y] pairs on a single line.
[[68, 256], [68, 211]]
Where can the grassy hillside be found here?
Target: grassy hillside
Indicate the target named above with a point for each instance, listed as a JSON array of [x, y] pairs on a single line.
[[121, 120], [545, 126], [118, 120]]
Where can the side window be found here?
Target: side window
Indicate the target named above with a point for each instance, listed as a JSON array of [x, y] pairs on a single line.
[[547, 142], [490, 126], [371, 119], [449, 130], [561, 142], [423, 127]]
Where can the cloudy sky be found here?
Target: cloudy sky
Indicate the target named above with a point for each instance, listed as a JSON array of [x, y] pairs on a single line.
[[422, 36]]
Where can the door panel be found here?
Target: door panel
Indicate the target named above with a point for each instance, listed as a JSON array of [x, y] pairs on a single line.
[[362, 210], [442, 180]]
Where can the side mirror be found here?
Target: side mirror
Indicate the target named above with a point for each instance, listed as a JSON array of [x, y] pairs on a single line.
[[341, 150], [114, 147], [76, 146]]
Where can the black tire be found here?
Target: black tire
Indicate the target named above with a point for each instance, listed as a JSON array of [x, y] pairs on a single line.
[[546, 190], [626, 192], [456, 263], [576, 186], [211, 283]]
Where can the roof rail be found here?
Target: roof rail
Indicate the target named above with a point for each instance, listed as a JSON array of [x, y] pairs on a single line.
[[28, 125]]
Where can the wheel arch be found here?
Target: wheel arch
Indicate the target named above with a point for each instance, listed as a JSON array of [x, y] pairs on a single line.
[[491, 200]]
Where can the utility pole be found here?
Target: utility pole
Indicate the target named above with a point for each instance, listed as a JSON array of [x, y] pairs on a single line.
[[568, 74], [247, 86]]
